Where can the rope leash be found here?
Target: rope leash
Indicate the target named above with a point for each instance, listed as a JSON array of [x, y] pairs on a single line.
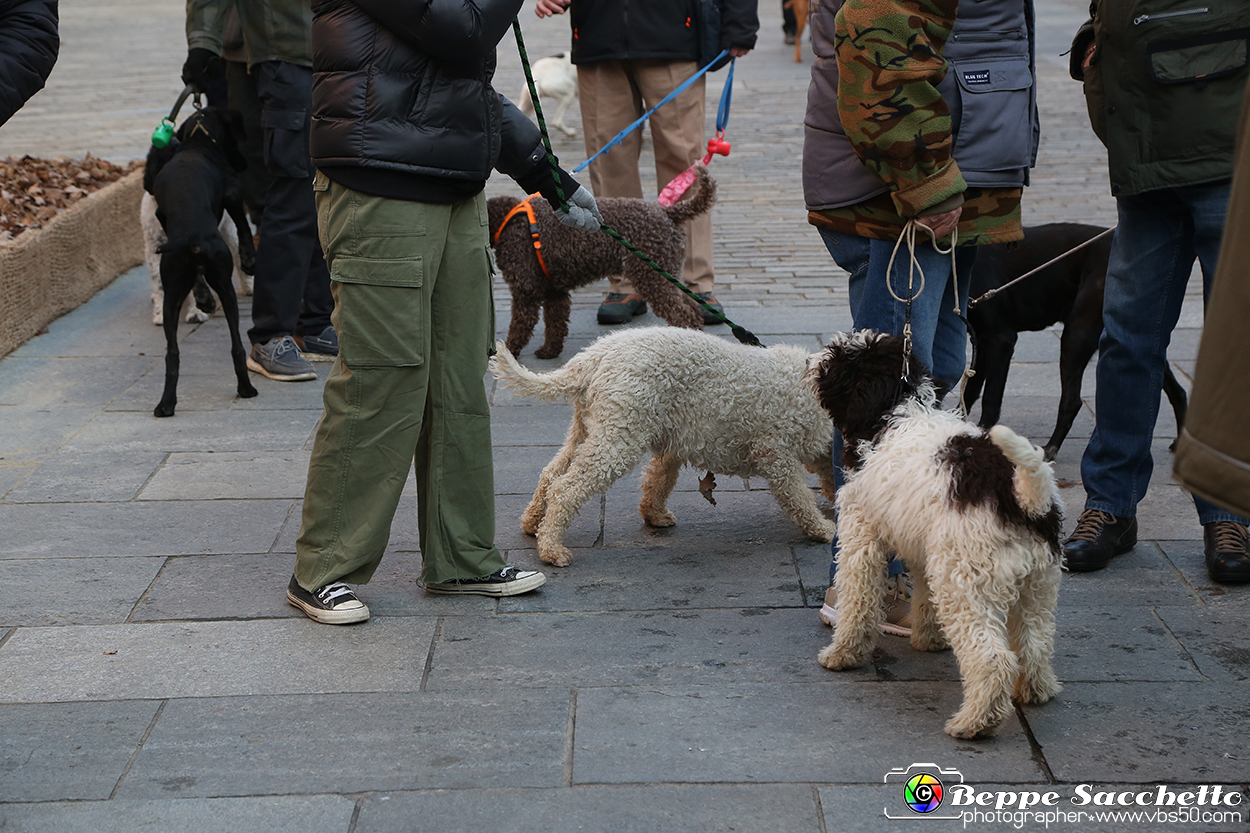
[[1032, 272], [741, 333]]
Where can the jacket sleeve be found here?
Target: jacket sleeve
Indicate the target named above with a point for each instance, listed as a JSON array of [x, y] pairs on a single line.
[[449, 30], [890, 62], [520, 143], [29, 44], [206, 21], [740, 21]]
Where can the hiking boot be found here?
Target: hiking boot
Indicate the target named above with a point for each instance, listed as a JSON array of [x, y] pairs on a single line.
[[1224, 543], [619, 308], [507, 581], [334, 604], [321, 347], [279, 359], [710, 299], [897, 620], [1098, 537]]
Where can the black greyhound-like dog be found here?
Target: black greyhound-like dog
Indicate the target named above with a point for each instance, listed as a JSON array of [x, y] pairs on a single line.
[[194, 179], [1069, 291]]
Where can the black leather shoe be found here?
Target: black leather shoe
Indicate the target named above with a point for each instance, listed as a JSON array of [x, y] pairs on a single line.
[[619, 308], [1098, 537], [1224, 543]]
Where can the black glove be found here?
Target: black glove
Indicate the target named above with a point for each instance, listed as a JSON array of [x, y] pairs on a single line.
[[202, 66]]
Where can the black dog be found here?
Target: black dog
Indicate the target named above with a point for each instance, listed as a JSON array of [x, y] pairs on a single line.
[[193, 179], [1069, 291]]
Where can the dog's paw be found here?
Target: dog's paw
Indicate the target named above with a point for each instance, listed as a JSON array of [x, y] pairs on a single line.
[[568, 131], [555, 556], [546, 352], [834, 659], [928, 639], [246, 284], [246, 390], [247, 262], [1049, 452], [660, 520], [822, 532], [158, 317], [164, 409], [195, 315], [1034, 692], [530, 525], [962, 728]]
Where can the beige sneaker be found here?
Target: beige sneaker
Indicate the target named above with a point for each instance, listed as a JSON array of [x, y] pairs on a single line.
[[897, 620]]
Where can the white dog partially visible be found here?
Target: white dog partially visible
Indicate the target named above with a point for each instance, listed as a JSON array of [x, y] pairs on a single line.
[[974, 516], [688, 397], [154, 235], [556, 79]]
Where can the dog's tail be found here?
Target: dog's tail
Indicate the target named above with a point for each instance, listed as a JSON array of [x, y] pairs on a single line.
[[683, 210], [1035, 479], [564, 384]]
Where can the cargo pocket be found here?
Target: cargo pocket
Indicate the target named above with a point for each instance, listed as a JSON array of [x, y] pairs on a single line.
[[380, 311], [1196, 86], [994, 119], [286, 142]]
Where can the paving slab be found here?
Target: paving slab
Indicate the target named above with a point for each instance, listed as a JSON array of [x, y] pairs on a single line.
[[1142, 577], [98, 477], [1138, 732], [81, 759], [239, 475], [188, 588], [743, 808], [200, 659], [805, 733], [30, 434], [75, 591], [210, 431], [279, 814], [13, 475], [628, 648], [80, 380], [1218, 641], [224, 746], [668, 577], [1131, 644], [1187, 558], [155, 528]]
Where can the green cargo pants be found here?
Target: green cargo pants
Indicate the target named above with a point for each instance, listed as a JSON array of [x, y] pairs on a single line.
[[415, 320]]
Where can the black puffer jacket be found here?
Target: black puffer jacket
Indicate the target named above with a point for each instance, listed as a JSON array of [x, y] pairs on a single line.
[[618, 30], [406, 87], [29, 44]]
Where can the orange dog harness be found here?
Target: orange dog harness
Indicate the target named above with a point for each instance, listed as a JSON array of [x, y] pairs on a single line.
[[524, 207]]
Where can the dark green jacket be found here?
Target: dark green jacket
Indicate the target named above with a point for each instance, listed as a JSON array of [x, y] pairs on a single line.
[[273, 30], [1164, 88]]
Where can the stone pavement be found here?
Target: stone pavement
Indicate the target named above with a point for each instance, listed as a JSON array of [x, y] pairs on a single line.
[[152, 676]]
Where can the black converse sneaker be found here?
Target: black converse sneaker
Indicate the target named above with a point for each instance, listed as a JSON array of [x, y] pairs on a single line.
[[508, 581], [334, 604]]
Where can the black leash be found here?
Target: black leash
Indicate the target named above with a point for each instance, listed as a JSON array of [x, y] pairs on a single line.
[[741, 333]]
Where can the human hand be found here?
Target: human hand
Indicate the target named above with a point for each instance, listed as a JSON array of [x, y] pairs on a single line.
[[941, 224], [1089, 55], [202, 65], [583, 213], [547, 8], [734, 51]]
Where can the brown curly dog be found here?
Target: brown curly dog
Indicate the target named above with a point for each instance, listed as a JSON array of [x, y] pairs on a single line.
[[575, 258]]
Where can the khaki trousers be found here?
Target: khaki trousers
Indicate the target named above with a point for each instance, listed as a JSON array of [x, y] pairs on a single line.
[[415, 320], [613, 95]]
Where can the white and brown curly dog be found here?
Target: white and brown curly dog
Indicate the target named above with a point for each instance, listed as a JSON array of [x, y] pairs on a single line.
[[689, 398], [974, 515]]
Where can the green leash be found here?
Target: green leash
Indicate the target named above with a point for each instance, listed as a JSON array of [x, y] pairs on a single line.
[[741, 333]]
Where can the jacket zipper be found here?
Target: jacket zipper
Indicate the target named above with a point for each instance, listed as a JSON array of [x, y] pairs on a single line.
[[981, 37], [1137, 21]]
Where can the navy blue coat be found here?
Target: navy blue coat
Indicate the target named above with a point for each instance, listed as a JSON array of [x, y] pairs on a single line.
[[29, 44]]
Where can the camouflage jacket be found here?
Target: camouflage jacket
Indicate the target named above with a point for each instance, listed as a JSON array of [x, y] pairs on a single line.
[[273, 30], [907, 72]]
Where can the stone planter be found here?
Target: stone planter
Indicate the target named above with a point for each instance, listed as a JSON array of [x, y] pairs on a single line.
[[46, 272]]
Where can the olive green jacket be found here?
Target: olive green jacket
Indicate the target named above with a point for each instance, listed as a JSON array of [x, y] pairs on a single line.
[[1164, 88], [273, 30]]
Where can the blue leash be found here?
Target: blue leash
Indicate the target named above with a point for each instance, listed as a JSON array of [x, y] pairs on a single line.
[[724, 108]]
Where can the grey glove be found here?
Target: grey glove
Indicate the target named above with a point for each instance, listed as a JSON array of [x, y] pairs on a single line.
[[582, 213]]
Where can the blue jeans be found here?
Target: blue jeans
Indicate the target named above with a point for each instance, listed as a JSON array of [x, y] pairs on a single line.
[[1152, 254], [939, 339]]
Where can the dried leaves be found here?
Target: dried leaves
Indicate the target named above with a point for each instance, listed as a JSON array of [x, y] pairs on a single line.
[[33, 191]]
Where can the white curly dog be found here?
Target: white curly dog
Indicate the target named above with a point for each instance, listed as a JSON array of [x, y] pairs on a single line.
[[688, 397], [974, 516]]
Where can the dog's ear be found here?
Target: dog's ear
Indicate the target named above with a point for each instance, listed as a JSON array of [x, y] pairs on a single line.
[[860, 381]]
